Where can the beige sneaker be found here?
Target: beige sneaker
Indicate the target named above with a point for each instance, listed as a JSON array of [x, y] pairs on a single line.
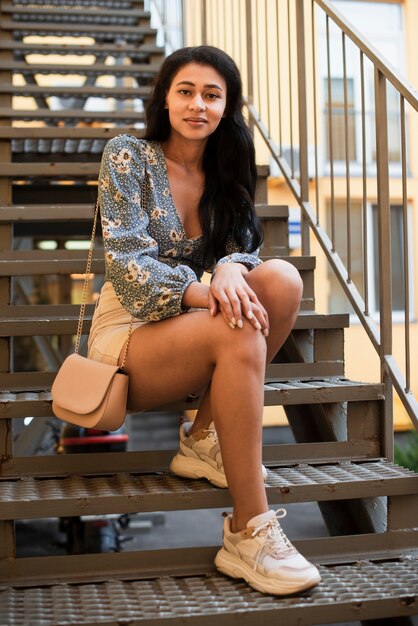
[[199, 456], [264, 557]]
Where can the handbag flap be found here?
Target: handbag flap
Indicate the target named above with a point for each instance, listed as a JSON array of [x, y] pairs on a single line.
[[81, 384]]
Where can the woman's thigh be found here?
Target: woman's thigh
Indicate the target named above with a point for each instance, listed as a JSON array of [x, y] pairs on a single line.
[[170, 359]]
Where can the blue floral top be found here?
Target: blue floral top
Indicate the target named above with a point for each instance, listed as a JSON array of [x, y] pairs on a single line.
[[149, 260]]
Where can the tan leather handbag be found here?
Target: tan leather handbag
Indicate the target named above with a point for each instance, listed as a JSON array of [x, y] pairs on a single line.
[[86, 392]]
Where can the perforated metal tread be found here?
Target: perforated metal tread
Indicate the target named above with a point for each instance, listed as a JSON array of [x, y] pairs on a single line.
[[31, 497], [346, 592], [38, 403]]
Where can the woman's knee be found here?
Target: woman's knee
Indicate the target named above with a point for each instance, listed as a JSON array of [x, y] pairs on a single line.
[[240, 344], [278, 282]]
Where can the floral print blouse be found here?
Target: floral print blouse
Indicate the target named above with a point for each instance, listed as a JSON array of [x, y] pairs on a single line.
[[149, 259]]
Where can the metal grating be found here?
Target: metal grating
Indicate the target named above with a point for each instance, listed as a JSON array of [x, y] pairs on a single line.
[[343, 588], [31, 497], [129, 485]]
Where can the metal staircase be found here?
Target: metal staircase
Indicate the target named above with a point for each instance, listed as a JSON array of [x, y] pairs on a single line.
[[369, 563]]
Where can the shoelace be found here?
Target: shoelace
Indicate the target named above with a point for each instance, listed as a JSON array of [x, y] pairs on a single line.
[[212, 434], [274, 535]]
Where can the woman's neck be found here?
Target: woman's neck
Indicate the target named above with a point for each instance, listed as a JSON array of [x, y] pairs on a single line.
[[187, 154]]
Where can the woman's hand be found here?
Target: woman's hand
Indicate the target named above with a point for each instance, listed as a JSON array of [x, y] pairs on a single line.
[[230, 293]]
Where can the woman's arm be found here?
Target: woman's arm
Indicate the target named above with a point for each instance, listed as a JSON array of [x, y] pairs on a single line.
[[149, 289], [230, 292]]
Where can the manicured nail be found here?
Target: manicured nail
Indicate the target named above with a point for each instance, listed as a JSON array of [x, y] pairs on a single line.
[[257, 326], [232, 325], [266, 332], [240, 324], [234, 321], [250, 315]]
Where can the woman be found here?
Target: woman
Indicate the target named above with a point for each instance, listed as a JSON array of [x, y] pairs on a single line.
[[177, 203]]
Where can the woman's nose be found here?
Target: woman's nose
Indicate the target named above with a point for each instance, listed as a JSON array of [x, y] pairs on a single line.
[[197, 104]]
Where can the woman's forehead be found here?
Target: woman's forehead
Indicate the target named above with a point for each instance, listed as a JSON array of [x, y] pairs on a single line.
[[197, 74]]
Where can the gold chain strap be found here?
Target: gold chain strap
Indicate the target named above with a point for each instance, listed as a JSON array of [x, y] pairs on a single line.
[[87, 277]]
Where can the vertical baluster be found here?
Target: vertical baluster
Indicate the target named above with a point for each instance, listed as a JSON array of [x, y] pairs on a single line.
[[267, 90], [330, 142], [240, 37], [278, 78], [289, 43], [364, 186], [385, 276], [347, 163], [405, 247], [315, 111], [257, 64], [250, 76], [303, 122]]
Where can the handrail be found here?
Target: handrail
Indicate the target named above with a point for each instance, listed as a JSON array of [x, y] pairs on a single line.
[[290, 28], [402, 85]]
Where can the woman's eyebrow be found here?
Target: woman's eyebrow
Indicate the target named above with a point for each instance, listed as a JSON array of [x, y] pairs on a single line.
[[188, 82]]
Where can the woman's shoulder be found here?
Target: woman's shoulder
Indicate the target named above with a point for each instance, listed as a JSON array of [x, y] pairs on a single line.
[[126, 147], [120, 142]]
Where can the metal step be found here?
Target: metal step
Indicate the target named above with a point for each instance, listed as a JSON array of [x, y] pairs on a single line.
[[48, 134], [84, 212], [61, 319], [83, 169], [62, 115], [37, 262], [31, 497], [104, 16], [116, 4], [75, 115], [352, 591], [143, 70], [121, 49], [291, 392], [98, 31], [139, 92]]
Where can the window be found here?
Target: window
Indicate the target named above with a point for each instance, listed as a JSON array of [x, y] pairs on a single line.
[[338, 119], [381, 24], [337, 300], [397, 257]]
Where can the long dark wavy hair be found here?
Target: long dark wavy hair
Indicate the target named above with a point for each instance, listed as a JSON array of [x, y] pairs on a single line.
[[226, 207]]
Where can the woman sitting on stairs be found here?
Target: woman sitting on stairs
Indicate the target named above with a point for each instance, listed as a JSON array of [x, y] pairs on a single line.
[[177, 203]]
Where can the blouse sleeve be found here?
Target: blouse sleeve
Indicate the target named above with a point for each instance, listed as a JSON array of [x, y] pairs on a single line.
[[234, 255], [148, 289]]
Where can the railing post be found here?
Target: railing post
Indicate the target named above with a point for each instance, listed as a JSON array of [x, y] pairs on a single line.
[[250, 68], [204, 25], [303, 120], [385, 275]]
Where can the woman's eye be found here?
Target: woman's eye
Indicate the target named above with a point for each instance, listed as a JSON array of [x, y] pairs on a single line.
[[184, 92], [212, 96]]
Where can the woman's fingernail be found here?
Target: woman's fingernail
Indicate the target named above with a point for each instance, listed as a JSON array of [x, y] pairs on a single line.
[[257, 325], [250, 315], [266, 332], [234, 321], [232, 325], [240, 324]]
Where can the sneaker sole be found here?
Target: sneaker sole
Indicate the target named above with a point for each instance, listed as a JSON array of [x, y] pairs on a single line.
[[193, 468], [236, 568]]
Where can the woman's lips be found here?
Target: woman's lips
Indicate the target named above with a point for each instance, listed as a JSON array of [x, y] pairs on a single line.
[[195, 121]]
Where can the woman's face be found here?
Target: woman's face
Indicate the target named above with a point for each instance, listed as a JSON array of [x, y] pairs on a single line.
[[196, 101]]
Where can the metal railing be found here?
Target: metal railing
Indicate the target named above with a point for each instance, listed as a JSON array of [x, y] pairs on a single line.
[[289, 54]]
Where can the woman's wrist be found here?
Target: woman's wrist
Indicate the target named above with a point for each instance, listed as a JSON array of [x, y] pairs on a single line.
[[196, 295]]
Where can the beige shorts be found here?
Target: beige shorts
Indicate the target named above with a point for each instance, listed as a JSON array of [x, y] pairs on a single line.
[[109, 328]]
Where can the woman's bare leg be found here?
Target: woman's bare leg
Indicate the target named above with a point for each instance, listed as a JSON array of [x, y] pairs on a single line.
[[170, 359], [279, 288]]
